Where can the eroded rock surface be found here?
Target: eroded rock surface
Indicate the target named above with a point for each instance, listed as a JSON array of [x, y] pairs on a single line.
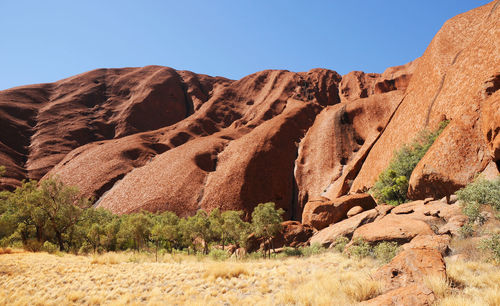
[[320, 214]]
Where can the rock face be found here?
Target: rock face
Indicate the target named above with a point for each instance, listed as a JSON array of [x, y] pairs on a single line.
[[175, 140], [41, 124], [158, 139], [335, 147], [464, 51], [319, 214]]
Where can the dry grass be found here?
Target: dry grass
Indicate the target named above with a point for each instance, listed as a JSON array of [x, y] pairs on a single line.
[[349, 283], [225, 270], [128, 278], [131, 278], [469, 283]]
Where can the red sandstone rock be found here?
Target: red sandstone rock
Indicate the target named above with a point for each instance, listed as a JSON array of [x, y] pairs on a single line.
[[47, 121], [321, 214], [398, 228], [155, 138], [410, 267], [335, 147], [245, 156], [345, 228], [354, 211], [490, 114], [448, 82], [439, 243], [415, 295]]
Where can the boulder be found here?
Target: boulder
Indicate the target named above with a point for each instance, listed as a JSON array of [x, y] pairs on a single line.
[[354, 211], [398, 228], [415, 295], [344, 228], [439, 243], [411, 267], [321, 214], [383, 210], [452, 227], [296, 234], [440, 173], [293, 234]]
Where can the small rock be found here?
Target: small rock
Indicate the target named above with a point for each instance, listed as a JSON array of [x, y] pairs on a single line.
[[427, 200], [354, 211]]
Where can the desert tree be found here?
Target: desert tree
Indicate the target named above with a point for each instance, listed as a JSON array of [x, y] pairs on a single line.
[[233, 228], [266, 222], [61, 205], [165, 231]]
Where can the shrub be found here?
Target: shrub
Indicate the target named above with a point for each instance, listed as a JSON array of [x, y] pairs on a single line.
[[49, 247], [313, 249], [217, 254], [340, 243], [466, 230], [385, 251], [392, 185], [288, 251], [480, 192], [360, 249], [492, 244]]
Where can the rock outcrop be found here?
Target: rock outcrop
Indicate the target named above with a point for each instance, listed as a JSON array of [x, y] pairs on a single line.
[[41, 124], [158, 139], [320, 214], [448, 83], [175, 140]]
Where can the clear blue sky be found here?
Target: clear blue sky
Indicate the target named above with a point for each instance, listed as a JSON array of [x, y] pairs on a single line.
[[43, 41]]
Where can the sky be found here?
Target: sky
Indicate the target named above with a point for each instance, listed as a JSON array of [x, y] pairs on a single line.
[[44, 41]]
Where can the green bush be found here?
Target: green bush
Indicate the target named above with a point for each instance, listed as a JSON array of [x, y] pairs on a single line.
[[49, 247], [467, 230], [392, 185], [313, 249], [360, 249], [385, 251], [288, 251], [340, 243], [480, 192], [492, 244], [217, 254]]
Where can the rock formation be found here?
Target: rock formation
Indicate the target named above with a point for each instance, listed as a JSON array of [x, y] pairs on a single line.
[[158, 139]]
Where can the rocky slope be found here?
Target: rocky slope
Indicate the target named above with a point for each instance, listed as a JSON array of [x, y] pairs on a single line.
[[159, 139]]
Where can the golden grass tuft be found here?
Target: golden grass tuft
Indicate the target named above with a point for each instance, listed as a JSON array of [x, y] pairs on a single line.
[[439, 285], [225, 270], [110, 258], [344, 287], [469, 283]]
